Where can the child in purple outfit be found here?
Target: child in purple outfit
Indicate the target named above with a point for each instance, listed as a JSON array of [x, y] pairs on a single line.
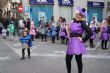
[[93, 37], [62, 34], [104, 34]]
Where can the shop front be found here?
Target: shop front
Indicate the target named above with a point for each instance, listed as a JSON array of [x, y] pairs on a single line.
[[66, 9], [95, 9], [40, 9]]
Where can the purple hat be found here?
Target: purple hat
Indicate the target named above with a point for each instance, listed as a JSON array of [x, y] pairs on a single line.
[[82, 11]]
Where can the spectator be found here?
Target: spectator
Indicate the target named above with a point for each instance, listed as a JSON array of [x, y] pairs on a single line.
[[21, 26]]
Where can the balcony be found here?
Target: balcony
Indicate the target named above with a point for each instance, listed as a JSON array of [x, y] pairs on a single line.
[[3, 2]]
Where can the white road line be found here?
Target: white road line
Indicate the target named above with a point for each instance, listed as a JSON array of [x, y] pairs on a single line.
[[14, 49], [4, 58], [35, 47], [18, 51], [96, 56], [58, 53], [16, 45], [88, 56]]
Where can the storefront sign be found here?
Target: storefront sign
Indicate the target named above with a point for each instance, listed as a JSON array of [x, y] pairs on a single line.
[[26, 8], [41, 2], [96, 4], [65, 2]]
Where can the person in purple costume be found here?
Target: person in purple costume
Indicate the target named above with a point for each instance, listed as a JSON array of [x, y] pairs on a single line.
[[76, 41], [62, 34], [93, 37], [104, 34]]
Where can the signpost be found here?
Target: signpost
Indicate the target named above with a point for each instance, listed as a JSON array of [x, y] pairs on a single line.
[[20, 9]]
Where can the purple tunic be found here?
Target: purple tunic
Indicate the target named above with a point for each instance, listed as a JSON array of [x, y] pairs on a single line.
[[104, 34], [93, 28], [63, 32], [75, 46]]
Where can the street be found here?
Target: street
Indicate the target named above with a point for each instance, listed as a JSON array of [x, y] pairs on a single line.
[[50, 58]]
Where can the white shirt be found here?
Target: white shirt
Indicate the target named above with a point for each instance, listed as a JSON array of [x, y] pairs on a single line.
[[4, 32], [21, 24]]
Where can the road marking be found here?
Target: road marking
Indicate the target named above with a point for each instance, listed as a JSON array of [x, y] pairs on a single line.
[[18, 50], [96, 56], [4, 58], [87, 56], [58, 53], [16, 45], [14, 49]]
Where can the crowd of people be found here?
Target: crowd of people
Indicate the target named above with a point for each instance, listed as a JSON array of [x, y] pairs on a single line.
[[70, 34]]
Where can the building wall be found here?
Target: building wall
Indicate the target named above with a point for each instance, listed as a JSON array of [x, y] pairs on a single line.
[[106, 11], [56, 10], [6, 8], [81, 3], [62, 11]]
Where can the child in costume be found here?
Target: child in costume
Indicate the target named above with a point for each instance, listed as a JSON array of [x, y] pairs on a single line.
[[93, 37], [26, 42], [53, 33], [104, 34], [4, 33], [63, 33], [32, 31]]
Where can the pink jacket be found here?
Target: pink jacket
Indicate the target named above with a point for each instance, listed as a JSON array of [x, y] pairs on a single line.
[[32, 29]]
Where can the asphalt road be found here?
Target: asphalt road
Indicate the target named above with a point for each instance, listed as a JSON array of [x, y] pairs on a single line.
[[50, 58]]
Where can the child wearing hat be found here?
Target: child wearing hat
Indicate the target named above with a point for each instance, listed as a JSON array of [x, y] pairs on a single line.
[[93, 37]]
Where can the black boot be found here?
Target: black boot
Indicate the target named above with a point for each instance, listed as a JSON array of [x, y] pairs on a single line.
[[106, 45], [23, 54], [28, 50], [102, 44]]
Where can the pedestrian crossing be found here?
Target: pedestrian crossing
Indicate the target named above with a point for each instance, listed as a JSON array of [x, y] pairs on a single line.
[[16, 48], [4, 58], [87, 56]]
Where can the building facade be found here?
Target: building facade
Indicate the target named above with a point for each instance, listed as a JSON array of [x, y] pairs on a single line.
[[41, 9], [9, 8], [35, 9], [95, 9], [64, 9]]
